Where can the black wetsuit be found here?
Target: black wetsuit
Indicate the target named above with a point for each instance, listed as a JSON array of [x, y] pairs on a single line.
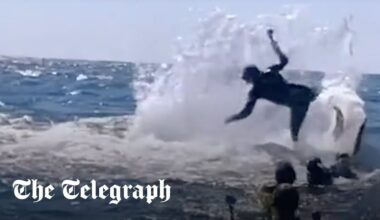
[[273, 87], [270, 85]]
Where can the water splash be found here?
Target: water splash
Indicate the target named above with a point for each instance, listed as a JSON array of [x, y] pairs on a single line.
[[190, 100], [178, 129]]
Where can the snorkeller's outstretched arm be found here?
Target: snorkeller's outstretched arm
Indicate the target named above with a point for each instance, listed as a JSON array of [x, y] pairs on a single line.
[[247, 110], [283, 58]]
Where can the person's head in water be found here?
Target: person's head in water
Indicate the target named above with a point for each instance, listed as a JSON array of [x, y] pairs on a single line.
[[251, 74], [285, 173], [317, 173], [314, 165]]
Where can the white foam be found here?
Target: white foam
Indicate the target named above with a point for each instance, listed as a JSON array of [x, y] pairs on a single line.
[[75, 92], [81, 77], [191, 100], [179, 131], [30, 73]]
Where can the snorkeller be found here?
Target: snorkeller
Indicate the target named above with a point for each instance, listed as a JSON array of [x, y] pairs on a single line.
[[280, 200], [270, 85]]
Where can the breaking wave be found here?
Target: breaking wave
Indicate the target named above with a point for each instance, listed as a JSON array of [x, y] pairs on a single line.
[[189, 101], [178, 128]]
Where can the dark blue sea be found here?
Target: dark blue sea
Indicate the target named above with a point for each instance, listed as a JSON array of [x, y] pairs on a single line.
[[46, 104]]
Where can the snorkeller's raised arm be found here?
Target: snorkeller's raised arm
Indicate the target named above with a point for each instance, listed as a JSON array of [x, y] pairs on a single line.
[[283, 58]]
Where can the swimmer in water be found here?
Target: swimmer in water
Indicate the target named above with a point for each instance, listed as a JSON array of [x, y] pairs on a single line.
[[270, 85]]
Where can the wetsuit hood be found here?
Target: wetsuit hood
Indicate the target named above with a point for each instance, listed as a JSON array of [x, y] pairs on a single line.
[[251, 74]]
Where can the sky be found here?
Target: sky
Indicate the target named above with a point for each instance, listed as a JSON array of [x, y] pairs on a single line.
[[145, 30]]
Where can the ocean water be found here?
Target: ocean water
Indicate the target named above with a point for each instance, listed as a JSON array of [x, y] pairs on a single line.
[[124, 122], [46, 103], [61, 90]]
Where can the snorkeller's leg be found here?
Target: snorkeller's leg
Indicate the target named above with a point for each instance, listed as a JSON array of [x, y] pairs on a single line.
[[297, 116], [300, 99]]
